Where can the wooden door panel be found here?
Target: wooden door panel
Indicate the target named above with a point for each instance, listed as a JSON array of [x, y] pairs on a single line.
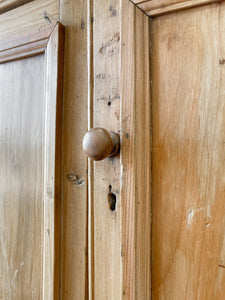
[[188, 157], [21, 176], [30, 140]]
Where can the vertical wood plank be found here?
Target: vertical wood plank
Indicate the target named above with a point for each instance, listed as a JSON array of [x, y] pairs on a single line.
[[52, 171], [73, 14], [106, 113], [135, 153]]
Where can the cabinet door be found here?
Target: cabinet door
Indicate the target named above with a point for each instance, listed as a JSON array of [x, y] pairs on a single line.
[[188, 155], [30, 126]]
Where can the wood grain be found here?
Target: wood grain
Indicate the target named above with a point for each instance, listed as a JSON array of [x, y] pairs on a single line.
[[135, 153], [106, 238], [52, 163], [139, 1], [32, 141], [30, 19], [6, 5], [21, 173], [188, 158], [73, 14], [159, 7], [24, 50]]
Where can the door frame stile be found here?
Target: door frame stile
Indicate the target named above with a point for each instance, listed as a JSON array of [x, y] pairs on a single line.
[[135, 153]]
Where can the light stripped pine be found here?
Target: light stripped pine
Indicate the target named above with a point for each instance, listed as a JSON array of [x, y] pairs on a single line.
[[73, 14], [188, 158], [159, 7], [135, 153]]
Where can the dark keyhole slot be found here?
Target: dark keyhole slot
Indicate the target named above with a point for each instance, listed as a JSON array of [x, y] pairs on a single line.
[[111, 199]]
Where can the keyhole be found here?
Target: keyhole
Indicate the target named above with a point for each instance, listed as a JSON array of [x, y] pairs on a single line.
[[111, 199]]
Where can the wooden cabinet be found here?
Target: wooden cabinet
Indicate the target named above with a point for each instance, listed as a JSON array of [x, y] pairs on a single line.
[[151, 71]]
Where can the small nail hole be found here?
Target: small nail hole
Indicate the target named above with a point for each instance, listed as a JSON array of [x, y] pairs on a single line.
[[111, 199]]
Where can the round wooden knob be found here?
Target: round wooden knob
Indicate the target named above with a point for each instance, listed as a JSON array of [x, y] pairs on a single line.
[[98, 143]]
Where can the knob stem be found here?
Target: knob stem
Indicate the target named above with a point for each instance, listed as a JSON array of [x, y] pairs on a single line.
[[116, 144]]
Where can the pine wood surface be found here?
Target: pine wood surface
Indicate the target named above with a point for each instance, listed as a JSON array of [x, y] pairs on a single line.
[[31, 18], [106, 227], [74, 247], [158, 7], [21, 184], [30, 173], [135, 153], [52, 161], [188, 154], [6, 5], [92, 249]]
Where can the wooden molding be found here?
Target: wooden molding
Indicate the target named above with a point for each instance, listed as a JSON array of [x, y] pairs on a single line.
[[23, 51], [159, 7], [135, 153], [6, 5], [52, 175], [27, 46]]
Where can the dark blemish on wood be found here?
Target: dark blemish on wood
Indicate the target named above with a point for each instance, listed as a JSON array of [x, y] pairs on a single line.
[[48, 231], [82, 24], [222, 266], [111, 199], [100, 76], [112, 10], [46, 17], [109, 103], [116, 37], [75, 180], [92, 20], [222, 61], [113, 13], [108, 98], [127, 135], [122, 250]]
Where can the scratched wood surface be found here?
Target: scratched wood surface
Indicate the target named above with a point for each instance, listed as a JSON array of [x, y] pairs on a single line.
[[91, 262], [40, 16], [105, 76], [188, 157]]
